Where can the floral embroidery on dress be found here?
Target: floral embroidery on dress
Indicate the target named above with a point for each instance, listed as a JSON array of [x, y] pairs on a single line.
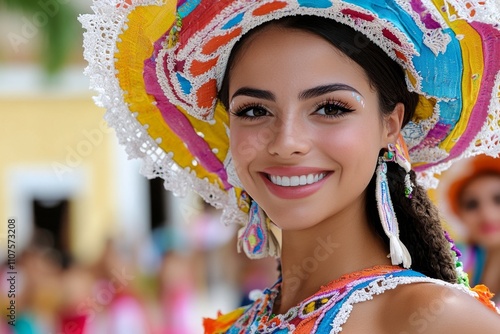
[[305, 317], [329, 308]]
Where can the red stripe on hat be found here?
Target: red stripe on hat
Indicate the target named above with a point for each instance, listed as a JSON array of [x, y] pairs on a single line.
[[207, 94], [212, 45], [200, 67], [355, 14], [269, 8]]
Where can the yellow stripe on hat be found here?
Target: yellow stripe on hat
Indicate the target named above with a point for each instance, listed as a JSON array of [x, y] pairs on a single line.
[[473, 69], [147, 24]]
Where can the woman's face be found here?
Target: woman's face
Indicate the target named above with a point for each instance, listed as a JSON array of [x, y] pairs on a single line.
[[305, 128], [480, 210]]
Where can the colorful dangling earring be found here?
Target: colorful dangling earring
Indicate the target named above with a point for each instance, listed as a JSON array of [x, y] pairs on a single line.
[[255, 238], [398, 251]]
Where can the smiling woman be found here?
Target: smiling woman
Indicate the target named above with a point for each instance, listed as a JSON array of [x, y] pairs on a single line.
[[326, 125], [329, 127], [295, 116]]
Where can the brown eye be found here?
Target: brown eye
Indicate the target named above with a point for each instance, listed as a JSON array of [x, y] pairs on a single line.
[[333, 109], [496, 199], [251, 112], [330, 110], [255, 112], [470, 204]]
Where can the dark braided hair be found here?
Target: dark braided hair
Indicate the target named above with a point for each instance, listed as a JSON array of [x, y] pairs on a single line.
[[419, 222]]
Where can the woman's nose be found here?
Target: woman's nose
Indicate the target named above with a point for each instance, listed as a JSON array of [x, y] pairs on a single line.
[[289, 137]]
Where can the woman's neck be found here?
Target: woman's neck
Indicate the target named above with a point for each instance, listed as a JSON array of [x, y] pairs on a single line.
[[314, 257]]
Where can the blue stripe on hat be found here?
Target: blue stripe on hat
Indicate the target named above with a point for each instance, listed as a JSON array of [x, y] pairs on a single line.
[[315, 3], [436, 70]]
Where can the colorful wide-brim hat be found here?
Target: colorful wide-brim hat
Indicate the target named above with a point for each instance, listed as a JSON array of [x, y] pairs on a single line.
[[157, 66], [453, 181]]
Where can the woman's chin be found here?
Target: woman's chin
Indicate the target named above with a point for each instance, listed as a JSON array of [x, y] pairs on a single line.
[[491, 241]]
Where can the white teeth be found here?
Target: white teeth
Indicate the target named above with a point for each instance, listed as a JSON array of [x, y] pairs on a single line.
[[285, 181], [293, 181]]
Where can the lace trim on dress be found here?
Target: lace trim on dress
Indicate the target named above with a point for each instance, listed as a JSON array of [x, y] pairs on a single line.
[[378, 287]]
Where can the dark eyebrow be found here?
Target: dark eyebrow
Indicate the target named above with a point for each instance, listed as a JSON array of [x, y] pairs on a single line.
[[325, 89], [253, 92], [306, 94]]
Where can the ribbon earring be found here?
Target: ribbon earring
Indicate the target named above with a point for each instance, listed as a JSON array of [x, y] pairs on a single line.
[[398, 251], [256, 239]]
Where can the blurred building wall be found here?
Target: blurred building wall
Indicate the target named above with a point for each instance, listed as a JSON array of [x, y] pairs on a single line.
[[57, 148]]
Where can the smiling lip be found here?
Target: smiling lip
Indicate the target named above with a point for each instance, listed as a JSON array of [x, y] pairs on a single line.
[[489, 229], [294, 182]]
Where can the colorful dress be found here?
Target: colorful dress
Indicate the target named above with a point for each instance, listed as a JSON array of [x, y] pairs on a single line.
[[473, 258], [325, 311]]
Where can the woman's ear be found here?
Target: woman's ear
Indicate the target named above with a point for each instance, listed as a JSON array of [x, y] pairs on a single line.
[[393, 123]]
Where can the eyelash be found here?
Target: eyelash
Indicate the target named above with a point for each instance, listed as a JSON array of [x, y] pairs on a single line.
[[242, 110], [341, 106]]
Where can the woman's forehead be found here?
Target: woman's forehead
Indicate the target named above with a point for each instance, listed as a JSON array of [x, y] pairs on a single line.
[[483, 180], [301, 58]]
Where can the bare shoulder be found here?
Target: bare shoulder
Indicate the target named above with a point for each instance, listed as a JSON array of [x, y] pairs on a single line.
[[433, 308]]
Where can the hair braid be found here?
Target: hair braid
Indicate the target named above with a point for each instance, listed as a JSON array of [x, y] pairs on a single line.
[[430, 229]]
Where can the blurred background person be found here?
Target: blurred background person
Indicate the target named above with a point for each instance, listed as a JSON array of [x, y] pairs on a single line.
[[177, 294], [469, 194], [37, 287]]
